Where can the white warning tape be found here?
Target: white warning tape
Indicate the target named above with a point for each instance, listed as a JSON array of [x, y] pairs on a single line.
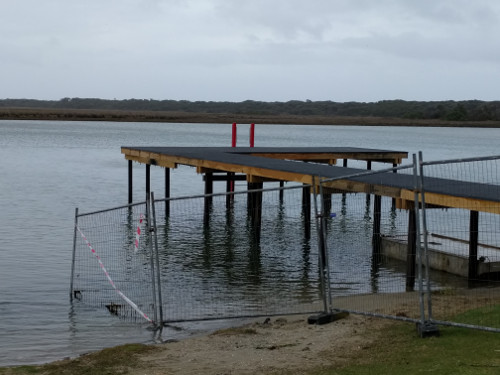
[[123, 296]]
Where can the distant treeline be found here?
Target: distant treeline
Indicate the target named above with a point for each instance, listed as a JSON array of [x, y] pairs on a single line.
[[469, 110]]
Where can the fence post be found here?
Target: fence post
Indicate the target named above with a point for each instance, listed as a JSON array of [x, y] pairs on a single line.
[[157, 260], [152, 264], [426, 327], [73, 257], [329, 314]]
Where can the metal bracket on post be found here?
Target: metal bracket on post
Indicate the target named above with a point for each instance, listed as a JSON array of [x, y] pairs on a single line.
[[427, 329]]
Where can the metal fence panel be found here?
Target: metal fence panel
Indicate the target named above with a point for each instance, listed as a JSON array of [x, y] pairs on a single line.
[[368, 278], [112, 262], [214, 265], [463, 245]]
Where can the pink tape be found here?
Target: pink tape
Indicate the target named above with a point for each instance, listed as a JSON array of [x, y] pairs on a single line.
[[138, 233], [123, 296]]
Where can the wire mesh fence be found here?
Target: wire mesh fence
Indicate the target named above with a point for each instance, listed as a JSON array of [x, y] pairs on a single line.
[[366, 278], [464, 243], [272, 251], [112, 262], [222, 256]]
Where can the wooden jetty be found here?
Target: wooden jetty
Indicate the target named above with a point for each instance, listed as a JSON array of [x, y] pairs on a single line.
[[310, 165]]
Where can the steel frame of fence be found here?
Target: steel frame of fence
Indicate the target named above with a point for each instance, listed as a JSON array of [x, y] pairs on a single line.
[[426, 324], [152, 230], [429, 322]]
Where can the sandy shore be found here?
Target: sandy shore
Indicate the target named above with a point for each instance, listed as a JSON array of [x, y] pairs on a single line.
[[271, 346], [289, 345]]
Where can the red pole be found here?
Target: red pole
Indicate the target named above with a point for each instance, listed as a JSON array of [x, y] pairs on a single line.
[[230, 185], [252, 134], [233, 139]]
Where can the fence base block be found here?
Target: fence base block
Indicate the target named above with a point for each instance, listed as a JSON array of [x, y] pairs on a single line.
[[427, 329], [327, 317]]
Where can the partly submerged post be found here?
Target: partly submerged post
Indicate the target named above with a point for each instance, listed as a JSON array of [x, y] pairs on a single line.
[[411, 251], [306, 210], [130, 192], [255, 208], [473, 242], [167, 192], [148, 180], [209, 189], [377, 236]]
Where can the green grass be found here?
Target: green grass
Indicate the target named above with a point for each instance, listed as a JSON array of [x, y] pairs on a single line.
[[458, 351], [488, 316], [117, 360]]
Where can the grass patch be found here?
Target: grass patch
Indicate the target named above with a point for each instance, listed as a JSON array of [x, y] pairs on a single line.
[[488, 316], [117, 360], [399, 350]]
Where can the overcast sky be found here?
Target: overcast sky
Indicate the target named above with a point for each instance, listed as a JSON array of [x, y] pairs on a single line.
[[234, 50]]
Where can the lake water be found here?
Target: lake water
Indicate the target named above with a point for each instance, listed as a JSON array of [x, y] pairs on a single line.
[[49, 168]]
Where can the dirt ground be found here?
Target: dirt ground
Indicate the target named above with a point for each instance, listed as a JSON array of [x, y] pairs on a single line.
[[289, 345], [271, 346]]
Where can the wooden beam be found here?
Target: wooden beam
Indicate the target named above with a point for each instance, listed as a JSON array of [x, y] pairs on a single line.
[[448, 201]]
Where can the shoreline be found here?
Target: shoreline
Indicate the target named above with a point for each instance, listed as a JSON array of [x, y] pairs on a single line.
[[278, 345], [43, 114]]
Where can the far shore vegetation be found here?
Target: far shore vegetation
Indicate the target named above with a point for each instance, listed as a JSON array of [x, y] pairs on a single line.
[[471, 113]]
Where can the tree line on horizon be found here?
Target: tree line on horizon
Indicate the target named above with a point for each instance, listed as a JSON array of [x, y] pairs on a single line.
[[468, 110]]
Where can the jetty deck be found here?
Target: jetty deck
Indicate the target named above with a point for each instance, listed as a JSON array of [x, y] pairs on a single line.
[[313, 166], [309, 165]]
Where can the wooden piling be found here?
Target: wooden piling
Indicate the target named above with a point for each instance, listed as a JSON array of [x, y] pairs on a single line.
[[255, 208], [473, 243], [411, 255], [209, 189], [377, 236], [167, 192], [306, 210], [130, 181], [327, 202], [148, 180]]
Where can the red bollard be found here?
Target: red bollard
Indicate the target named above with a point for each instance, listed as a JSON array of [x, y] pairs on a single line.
[[252, 134], [233, 139]]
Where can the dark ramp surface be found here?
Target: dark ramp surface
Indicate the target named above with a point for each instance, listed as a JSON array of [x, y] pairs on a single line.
[[249, 159]]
